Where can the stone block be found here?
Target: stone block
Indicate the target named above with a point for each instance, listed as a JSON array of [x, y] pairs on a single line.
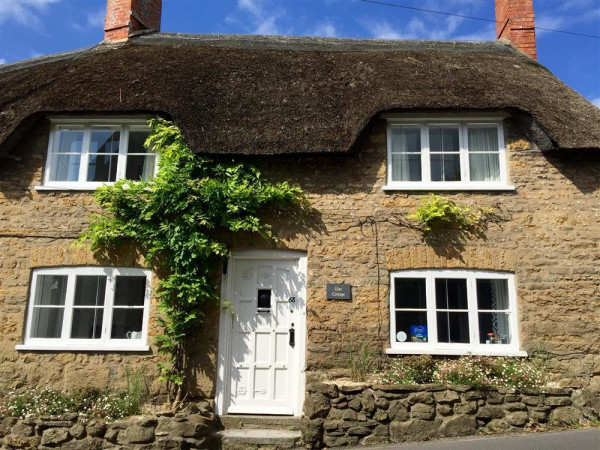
[[494, 398], [517, 406], [316, 406], [341, 441], [490, 412], [383, 403], [23, 430], [12, 441], [397, 411], [77, 431], [567, 415], [414, 430], [348, 414], [422, 411], [466, 408], [448, 397], [558, 401], [444, 410], [380, 416], [53, 437], [95, 428], [172, 427], [497, 426], [459, 426], [136, 435], [328, 389], [359, 431], [539, 414], [421, 397], [517, 418], [355, 404]]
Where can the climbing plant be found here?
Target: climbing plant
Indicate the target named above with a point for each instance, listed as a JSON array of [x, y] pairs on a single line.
[[177, 220], [437, 212]]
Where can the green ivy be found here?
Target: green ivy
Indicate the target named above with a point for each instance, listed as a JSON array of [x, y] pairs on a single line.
[[439, 212], [177, 220]]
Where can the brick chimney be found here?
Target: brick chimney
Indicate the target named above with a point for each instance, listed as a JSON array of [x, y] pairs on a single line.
[[514, 21], [126, 17]]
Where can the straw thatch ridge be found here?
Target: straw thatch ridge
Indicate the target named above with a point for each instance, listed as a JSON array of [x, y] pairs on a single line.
[[274, 95]]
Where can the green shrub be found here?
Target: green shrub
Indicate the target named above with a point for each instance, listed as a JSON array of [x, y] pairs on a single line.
[[408, 370], [359, 362]]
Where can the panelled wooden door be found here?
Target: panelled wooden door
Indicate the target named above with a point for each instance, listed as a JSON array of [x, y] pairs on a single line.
[[264, 336]]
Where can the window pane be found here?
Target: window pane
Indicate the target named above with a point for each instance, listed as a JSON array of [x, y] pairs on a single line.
[[451, 293], [483, 139], [493, 327], [68, 141], [410, 293], [492, 294], [140, 167], [90, 290], [64, 167], [453, 327], [105, 141], [102, 167], [443, 139], [46, 322], [413, 324], [127, 323], [87, 323], [406, 167], [51, 290], [484, 166], [130, 291], [445, 167], [136, 142]]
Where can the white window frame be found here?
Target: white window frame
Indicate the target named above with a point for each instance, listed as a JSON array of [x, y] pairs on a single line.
[[105, 343], [442, 348], [87, 124], [465, 184]]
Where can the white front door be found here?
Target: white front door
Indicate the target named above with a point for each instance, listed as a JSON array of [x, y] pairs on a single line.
[[261, 346]]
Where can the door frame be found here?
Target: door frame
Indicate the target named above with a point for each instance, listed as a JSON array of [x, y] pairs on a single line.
[[222, 392]]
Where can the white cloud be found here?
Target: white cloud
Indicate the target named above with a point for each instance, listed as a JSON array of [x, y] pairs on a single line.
[[92, 20], [595, 101], [2, 61], [326, 29], [263, 17], [23, 12], [383, 30]]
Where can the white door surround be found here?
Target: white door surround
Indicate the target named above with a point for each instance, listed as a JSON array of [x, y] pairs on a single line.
[[262, 340]]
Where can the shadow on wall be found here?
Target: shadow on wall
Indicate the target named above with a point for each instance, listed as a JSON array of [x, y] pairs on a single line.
[[581, 167]]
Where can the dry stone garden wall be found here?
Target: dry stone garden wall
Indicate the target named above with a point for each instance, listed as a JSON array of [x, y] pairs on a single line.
[[187, 430], [347, 414]]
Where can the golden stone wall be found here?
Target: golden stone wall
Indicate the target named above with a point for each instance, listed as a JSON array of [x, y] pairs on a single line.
[[550, 239]]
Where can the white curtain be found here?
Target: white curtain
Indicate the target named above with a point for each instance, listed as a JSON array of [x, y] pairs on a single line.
[[406, 154], [65, 167], [484, 156], [500, 302]]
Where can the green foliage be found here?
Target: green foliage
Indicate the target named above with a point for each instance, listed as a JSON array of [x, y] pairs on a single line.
[[360, 360], [439, 212], [88, 404], [408, 370], [477, 371], [178, 220]]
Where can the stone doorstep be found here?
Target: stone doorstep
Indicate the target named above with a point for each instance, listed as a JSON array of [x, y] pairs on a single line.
[[256, 437], [238, 422]]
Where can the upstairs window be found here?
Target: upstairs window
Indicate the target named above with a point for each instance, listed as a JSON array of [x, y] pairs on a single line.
[[88, 308], [85, 155], [445, 155], [453, 312]]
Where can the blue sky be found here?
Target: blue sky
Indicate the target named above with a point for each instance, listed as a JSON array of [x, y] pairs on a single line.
[[30, 28]]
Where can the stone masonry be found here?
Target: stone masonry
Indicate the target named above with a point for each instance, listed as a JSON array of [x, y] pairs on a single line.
[[349, 414], [549, 237]]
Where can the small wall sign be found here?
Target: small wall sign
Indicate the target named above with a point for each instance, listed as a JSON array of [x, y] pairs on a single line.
[[339, 291]]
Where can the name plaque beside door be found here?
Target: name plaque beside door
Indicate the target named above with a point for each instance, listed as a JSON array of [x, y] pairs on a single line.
[[339, 291]]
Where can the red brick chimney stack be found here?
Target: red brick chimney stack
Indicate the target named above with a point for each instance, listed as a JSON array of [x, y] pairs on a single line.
[[125, 17], [515, 22]]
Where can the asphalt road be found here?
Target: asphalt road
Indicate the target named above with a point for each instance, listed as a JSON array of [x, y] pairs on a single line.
[[582, 439]]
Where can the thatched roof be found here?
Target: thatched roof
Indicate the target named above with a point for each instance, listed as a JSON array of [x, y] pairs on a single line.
[[273, 95]]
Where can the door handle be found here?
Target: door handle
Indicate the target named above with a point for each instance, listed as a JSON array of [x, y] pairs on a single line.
[[292, 336]]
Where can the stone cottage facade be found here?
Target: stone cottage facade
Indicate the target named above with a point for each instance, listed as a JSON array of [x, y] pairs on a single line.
[[366, 129]]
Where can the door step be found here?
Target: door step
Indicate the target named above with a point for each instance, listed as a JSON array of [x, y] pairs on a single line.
[[264, 432]]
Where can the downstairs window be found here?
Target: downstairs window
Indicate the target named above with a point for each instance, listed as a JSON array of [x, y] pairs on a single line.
[[88, 308], [453, 312]]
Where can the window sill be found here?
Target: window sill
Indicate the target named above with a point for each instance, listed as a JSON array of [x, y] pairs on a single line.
[[448, 187], [480, 351], [67, 188], [82, 348]]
